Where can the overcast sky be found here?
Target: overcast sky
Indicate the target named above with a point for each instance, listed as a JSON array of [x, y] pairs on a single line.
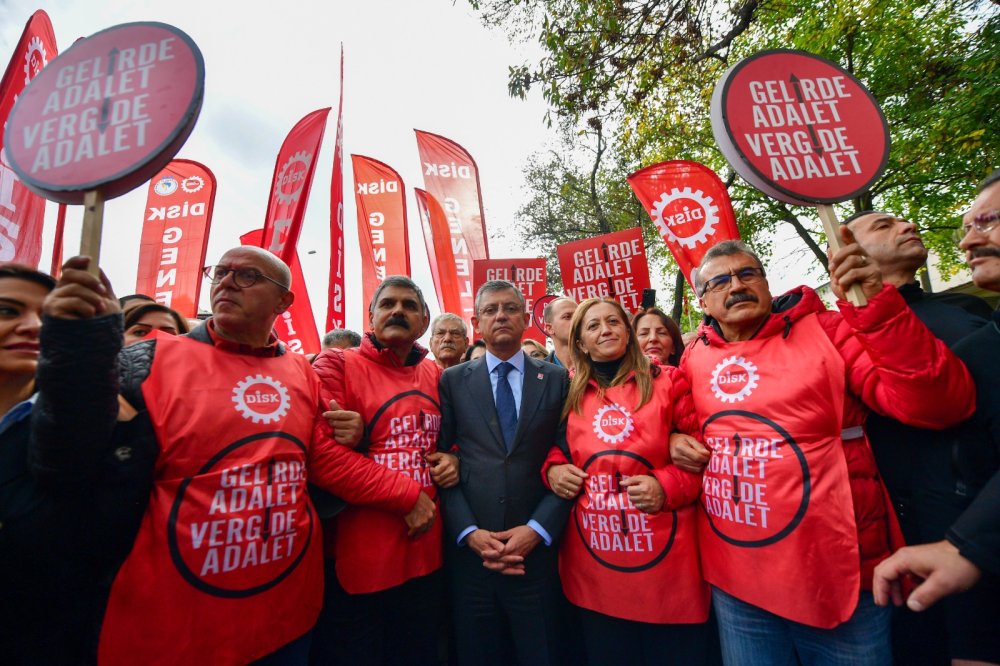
[[426, 64]]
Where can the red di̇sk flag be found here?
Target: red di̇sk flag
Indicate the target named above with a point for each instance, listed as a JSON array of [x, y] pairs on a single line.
[[690, 207], [293, 173], [608, 266], [336, 316], [175, 235], [22, 213], [380, 198], [528, 275], [451, 175], [296, 326], [437, 238]]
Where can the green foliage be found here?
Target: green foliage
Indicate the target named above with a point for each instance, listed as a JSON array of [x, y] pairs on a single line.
[[644, 71]]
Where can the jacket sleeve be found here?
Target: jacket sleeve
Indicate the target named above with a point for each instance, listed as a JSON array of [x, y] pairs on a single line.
[[553, 511], [897, 367], [976, 533], [329, 367], [356, 478], [458, 514], [679, 487], [77, 408]]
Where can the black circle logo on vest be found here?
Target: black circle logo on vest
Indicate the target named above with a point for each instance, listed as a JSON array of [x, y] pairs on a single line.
[[611, 528], [756, 488], [243, 523]]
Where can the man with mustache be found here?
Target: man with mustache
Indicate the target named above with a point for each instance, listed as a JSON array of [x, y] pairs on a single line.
[[384, 592], [224, 426], [915, 463], [449, 340], [794, 516], [971, 548]]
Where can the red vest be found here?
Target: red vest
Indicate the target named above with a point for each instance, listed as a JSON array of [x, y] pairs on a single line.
[[402, 420], [227, 565], [615, 559], [777, 525]]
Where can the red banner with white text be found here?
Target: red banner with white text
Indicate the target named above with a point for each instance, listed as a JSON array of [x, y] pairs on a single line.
[[296, 326], [293, 173], [379, 195], [437, 239], [452, 177], [527, 274], [175, 231], [22, 213], [690, 207], [608, 266], [336, 315]]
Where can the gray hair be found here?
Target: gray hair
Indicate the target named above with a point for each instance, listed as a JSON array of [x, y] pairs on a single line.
[[498, 285], [398, 281], [726, 248], [989, 180], [448, 316], [338, 334]]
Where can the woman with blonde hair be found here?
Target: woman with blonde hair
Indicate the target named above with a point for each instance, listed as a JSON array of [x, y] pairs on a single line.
[[629, 558]]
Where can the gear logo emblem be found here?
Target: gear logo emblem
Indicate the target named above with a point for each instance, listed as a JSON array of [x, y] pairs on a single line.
[[292, 177], [613, 423], [261, 399], [734, 378], [34, 59], [192, 184], [165, 186], [685, 216]]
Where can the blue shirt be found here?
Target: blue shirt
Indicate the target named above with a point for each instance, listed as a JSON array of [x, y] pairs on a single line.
[[17, 413]]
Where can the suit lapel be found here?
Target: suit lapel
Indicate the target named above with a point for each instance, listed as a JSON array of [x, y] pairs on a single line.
[[481, 389], [531, 392]]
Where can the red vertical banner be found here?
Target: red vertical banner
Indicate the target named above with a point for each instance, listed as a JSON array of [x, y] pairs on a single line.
[[381, 204], [22, 213], [527, 274], [57, 242], [452, 177], [437, 239], [690, 207], [175, 235], [609, 266], [293, 173], [336, 316], [296, 326]]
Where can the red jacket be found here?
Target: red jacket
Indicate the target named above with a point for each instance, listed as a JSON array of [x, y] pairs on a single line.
[[400, 407], [926, 386]]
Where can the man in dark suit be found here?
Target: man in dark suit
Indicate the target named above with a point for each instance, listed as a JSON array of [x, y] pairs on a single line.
[[503, 413]]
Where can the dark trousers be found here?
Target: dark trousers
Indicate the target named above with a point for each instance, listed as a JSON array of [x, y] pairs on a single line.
[[395, 627], [612, 640], [506, 619]]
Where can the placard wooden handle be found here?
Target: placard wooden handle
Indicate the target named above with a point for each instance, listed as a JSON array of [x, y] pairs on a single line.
[[832, 228], [90, 238]]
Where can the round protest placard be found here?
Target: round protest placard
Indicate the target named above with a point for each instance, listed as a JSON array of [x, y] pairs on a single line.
[[799, 128], [108, 113]]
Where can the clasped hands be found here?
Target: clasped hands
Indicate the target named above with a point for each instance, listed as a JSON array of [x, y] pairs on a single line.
[[504, 552]]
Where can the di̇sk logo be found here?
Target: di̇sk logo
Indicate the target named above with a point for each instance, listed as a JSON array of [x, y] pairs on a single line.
[[685, 216], [292, 177], [733, 379], [165, 186], [192, 184], [613, 423], [261, 399], [35, 59]]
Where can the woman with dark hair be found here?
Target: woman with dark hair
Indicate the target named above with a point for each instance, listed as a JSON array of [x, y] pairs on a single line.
[[630, 560], [475, 350], [658, 336], [141, 320]]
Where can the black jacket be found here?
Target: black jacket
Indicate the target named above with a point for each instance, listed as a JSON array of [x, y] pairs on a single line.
[[73, 488]]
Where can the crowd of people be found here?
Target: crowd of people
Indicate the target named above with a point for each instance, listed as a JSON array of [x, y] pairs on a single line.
[[179, 494]]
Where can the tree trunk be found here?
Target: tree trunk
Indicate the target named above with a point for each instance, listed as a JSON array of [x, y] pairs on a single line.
[[678, 310]]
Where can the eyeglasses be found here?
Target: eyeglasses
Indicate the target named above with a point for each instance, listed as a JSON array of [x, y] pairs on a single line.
[[984, 223], [745, 275], [509, 309], [243, 277]]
